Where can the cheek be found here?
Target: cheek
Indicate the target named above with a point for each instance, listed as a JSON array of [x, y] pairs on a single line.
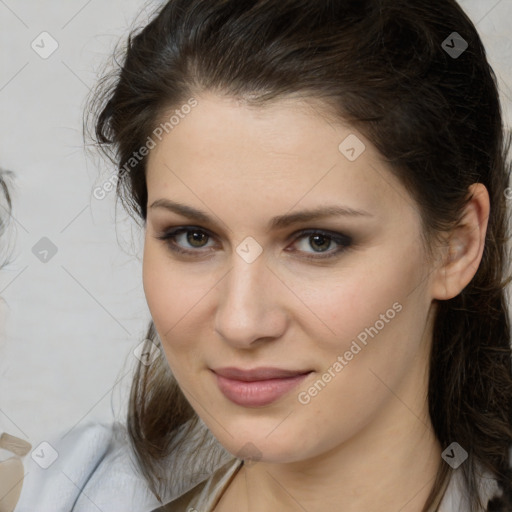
[[376, 355], [379, 304], [157, 286], [167, 295], [176, 300]]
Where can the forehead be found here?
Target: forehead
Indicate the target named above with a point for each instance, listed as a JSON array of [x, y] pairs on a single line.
[[288, 151], [288, 125]]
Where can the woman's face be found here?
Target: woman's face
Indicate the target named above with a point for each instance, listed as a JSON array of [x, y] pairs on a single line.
[[263, 282]]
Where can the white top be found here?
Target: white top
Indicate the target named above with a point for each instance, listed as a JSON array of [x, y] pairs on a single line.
[[96, 471]]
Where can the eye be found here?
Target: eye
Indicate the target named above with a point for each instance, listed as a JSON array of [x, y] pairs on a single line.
[[321, 241], [189, 239], [196, 238]]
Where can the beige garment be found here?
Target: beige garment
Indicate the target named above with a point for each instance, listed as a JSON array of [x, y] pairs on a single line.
[[205, 496], [11, 470]]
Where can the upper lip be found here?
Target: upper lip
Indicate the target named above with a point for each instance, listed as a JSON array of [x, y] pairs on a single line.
[[261, 373]]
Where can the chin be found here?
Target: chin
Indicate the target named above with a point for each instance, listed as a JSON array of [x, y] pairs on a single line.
[[255, 447]]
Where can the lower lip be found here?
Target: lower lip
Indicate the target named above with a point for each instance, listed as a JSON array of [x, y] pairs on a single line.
[[257, 393]]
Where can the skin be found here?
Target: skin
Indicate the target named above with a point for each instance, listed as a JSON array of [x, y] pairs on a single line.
[[368, 430]]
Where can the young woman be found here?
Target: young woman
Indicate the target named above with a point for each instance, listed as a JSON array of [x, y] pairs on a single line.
[[323, 189]]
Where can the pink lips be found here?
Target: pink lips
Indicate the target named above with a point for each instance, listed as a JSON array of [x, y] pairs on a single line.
[[259, 386]]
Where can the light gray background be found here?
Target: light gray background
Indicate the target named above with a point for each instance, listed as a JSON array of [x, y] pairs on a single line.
[[69, 326]]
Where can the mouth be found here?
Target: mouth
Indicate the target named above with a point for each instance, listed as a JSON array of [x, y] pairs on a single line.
[[255, 374], [259, 386]]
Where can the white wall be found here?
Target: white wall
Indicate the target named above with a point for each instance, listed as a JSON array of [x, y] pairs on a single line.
[[70, 324]]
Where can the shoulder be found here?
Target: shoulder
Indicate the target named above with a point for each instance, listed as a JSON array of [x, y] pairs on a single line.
[[90, 468], [93, 467]]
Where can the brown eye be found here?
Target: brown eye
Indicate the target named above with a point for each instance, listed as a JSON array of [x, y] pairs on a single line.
[[321, 242], [186, 240], [196, 238]]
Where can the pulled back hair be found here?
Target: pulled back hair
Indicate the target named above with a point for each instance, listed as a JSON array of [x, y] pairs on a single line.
[[380, 66]]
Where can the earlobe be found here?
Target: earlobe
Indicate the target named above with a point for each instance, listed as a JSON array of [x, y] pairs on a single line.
[[465, 247]]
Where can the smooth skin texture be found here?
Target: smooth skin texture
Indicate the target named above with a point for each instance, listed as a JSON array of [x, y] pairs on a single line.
[[365, 441]]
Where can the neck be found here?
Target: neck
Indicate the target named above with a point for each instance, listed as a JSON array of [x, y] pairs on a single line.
[[389, 465], [397, 475]]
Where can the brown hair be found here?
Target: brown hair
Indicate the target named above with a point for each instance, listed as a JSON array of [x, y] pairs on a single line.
[[435, 117]]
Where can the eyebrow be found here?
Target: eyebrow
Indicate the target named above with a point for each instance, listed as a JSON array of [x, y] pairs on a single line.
[[278, 222]]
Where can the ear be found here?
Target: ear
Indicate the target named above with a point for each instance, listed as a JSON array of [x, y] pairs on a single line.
[[465, 247]]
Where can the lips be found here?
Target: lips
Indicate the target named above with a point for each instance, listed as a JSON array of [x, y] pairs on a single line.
[[262, 373], [259, 386]]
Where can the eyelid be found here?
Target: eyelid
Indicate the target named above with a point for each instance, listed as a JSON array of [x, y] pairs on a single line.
[[168, 235], [344, 241]]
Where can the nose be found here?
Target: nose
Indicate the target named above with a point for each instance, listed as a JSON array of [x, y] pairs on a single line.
[[249, 308]]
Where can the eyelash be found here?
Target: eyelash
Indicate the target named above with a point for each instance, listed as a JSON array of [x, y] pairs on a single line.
[[344, 241]]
